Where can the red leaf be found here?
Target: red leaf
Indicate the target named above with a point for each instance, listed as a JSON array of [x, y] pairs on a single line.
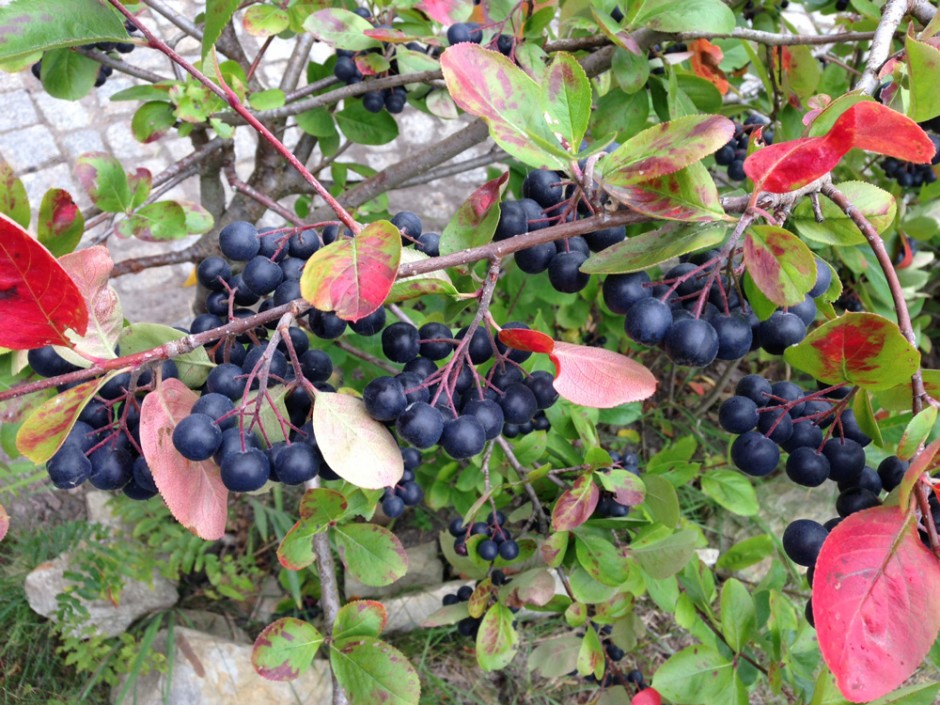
[[193, 491], [529, 340], [446, 12], [705, 60], [647, 696], [586, 375], [787, 166], [38, 300], [575, 506], [877, 128], [354, 275], [876, 600], [921, 464]]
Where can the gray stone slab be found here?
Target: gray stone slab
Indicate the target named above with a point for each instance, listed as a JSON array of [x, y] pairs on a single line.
[[18, 110], [29, 148], [62, 115]]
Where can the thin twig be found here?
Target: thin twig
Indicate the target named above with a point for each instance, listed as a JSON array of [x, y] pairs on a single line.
[[122, 66], [891, 16]]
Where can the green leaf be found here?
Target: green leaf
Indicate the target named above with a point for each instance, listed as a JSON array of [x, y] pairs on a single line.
[[265, 20], [362, 127], [923, 62], [285, 649], [600, 558], [697, 674], [323, 506], [360, 618], [29, 26], [732, 490], [67, 74], [685, 16], [876, 204], [631, 71], [14, 202], [152, 120], [342, 29], [295, 552], [665, 149], [661, 554], [738, 616], [372, 554], [863, 349], [782, 267], [568, 98], [688, 195], [487, 84], [916, 433], [193, 366], [164, 220], [413, 287], [60, 224], [103, 177], [497, 640], [317, 122], [746, 553], [763, 307], [661, 500], [555, 657], [475, 221], [372, 671], [646, 250], [591, 659], [198, 219], [267, 100], [217, 15]]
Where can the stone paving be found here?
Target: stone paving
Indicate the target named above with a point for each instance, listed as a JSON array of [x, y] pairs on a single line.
[[41, 136]]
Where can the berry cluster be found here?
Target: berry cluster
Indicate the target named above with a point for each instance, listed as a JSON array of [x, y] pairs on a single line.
[[613, 654], [548, 200], [697, 315], [407, 493], [104, 72], [824, 442], [607, 506], [350, 65], [909, 175], [103, 447], [462, 32], [498, 542], [469, 626], [733, 154]]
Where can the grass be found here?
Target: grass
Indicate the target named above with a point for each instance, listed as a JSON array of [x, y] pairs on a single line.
[[32, 672]]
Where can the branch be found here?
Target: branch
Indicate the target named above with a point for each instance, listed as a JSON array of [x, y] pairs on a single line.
[[262, 198], [774, 39], [891, 16], [120, 65], [226, 94], [329, 592]]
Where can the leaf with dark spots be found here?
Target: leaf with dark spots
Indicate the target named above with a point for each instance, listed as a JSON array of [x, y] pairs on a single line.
[[39, 302], [44, 431], [487, 84], [103, 178], [863, 349], [14, 201], [664, 149], [497, 639], [373, 672], [61, 224], [876, 601], [370, 553], [646, 250], [353, 276], [575, 505], [285, 649], [217, 15], [360, 618], [688, 195], [568, 97], [781, 266], [31, 26]]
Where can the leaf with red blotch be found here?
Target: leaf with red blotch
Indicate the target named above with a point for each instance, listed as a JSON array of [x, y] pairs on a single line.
[[44, 431], [576, 505], [14, 200], [284, 649], [4, 522], [787, 166], [476, 219], [61, 224], [447, 12], [358, 448], [647, 696], [585, 375], [90, 269], [39, 302], [688, 195], [863, 349], [876, 601], [193, 491], [665, 149], [353, 276], [360, 618], [924, 462], [877, 128], [706, 58], [487, 84], [779, 263]]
